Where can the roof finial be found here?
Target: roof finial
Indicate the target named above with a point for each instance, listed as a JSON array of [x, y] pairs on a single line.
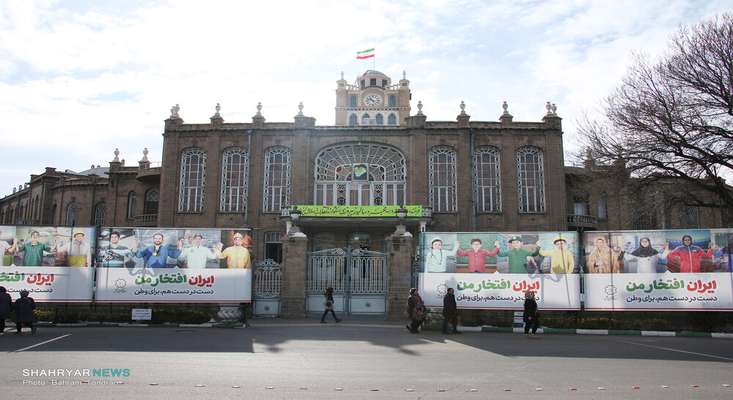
[[259, 109], [174, 111], [145, 155], [300, 109], [342, 75], [463, 108], [117, 155], [548, 106], [419, 107], [554, 109], [217, 108], [404, 74]]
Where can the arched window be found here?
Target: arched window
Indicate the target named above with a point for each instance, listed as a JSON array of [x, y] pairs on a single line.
[[37, 209], [193, 174], [72, 214], [352, 120], [442, 179], [276, 193], [392, 119], [53, 214], [234, 177], [99, 210], [380, 119], [131, 205], [603, 206], [530, 180], [150, 205], [487, 179], [690, 217], [365, 119], [392, 101], [360, 174]]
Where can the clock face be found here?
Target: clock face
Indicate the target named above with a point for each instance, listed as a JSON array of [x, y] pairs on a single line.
[[373, 100]]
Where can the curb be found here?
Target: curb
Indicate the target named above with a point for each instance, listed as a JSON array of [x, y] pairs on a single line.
[[603, 332], [204, 325]]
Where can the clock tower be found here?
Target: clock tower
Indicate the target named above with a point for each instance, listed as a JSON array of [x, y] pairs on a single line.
[[372, 101]]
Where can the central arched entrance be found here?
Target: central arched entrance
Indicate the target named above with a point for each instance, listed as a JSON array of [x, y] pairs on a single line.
[[365, 174]]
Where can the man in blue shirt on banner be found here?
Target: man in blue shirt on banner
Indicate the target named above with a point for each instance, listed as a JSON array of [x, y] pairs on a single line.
[[156, 256]]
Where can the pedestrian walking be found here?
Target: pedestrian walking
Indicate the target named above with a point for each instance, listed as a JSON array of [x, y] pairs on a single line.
[[531, 317], [415, 310], [450, 312], [24, 307], [329, 306], [6, 306]]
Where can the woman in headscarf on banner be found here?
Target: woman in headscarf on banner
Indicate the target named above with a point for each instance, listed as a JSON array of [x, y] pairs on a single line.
[[646, 257], [603, 259]]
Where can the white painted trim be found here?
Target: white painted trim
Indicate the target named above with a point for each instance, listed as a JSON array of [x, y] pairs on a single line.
[[591, 331]]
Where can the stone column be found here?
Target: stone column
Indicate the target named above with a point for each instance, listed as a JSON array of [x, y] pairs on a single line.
[[400, 270], [292, 294]]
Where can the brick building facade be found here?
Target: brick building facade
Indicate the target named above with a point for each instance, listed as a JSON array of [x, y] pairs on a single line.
[[469, 175]]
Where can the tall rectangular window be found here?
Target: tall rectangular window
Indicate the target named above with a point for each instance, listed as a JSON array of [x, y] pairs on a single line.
[[353, 100], [530, 180], [442, 180], [277, 179], [234, 177], [487, 182], [392, 100], [193, 173]]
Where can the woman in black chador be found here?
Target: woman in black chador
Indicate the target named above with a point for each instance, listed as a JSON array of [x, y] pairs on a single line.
[[329, 306]]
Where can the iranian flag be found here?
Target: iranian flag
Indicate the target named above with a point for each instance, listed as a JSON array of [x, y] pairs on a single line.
[[363, 55]]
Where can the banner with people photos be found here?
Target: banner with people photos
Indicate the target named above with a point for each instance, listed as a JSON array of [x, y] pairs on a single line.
[[51, 263], [157, 265], [491, 270], [683, 270]]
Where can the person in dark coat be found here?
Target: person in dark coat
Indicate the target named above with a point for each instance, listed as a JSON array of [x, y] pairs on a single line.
[[531, 317], [450, 312], [329, 306], [415, 310], [6, 306], [24, 307]]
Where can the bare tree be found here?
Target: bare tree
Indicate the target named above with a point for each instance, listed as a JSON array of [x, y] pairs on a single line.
[[674, 118]]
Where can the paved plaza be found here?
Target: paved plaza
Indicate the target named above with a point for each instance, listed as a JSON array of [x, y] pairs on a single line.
[[359, 360]]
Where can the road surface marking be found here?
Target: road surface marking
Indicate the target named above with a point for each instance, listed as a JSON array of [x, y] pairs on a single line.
[[677, 350], [42, 343]]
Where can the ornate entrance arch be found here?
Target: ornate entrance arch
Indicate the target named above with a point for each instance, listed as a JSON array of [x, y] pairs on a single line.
[[360, 174]]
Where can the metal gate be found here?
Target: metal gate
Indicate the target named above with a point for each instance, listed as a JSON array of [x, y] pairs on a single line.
[[267, 285], [358, 278]]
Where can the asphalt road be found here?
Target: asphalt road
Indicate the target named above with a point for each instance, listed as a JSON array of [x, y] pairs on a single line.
[[281, 360]]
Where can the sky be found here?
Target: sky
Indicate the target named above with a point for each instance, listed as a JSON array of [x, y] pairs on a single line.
[[81, 78]]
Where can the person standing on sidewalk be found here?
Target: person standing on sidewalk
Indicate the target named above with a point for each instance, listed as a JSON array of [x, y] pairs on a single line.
[[415, 310], [531, 317], [329, 306], [450, 312], [6, 306], [24, 307]]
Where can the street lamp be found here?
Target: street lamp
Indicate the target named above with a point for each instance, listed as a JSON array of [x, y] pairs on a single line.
[[294, 230], [401, 215]]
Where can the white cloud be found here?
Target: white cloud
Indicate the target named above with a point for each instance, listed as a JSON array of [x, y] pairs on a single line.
[[77, 83]]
